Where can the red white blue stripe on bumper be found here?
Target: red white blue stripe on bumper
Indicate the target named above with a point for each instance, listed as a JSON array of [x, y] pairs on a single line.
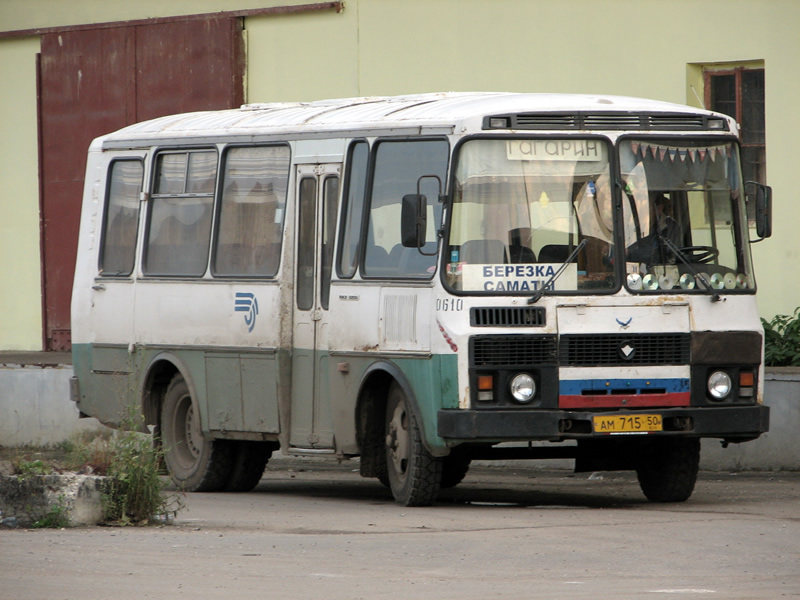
[[627, 388]]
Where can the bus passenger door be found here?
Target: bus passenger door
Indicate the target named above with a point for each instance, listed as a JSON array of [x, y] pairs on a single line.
[[317, 193]]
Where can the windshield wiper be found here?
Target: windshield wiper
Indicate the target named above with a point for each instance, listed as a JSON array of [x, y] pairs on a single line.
[[715, 297], [540, 292]]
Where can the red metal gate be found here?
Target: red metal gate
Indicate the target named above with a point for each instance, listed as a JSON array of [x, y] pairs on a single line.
[[95, 81]]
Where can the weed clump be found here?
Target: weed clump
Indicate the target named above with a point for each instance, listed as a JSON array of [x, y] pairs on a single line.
[[88, 452], [133, 492], [25, 469], [55, 518]]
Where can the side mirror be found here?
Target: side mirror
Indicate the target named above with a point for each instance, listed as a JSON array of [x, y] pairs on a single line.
[[413, 220], [763, 211]]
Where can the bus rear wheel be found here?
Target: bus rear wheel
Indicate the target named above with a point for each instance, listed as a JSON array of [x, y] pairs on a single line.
[[196, 464], [248, 462], [668, 470], [414, 475]]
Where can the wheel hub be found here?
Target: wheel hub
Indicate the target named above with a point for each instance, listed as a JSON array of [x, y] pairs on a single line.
[[397, 440], [193, 440]]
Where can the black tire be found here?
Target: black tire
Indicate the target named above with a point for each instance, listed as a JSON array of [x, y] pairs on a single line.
[[454, 469], [668, 471], [248, 460], [195, 463], [414, 475]]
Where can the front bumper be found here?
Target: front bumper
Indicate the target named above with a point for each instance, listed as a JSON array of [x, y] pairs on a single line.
[[735, 423]]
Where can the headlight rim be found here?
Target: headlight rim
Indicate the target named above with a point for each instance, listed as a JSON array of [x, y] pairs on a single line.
[[518, 382], [719, 385]]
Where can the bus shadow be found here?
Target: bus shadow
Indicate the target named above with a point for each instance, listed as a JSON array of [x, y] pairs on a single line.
[[484, 489]]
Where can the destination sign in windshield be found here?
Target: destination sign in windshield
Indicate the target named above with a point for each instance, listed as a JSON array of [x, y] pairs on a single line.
[[517, 278], [556, 149]]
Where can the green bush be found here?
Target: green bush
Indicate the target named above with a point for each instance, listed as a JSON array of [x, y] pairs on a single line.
[[782, 340]]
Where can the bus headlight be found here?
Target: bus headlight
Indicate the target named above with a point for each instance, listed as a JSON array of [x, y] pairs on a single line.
[[719, 385], [523, 388]]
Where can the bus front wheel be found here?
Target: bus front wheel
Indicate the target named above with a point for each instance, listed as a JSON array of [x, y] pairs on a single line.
[[668, 470], [196, 464], [414, 476]]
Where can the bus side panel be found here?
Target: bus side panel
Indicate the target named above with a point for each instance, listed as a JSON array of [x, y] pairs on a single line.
[[250, 378], [226, 335], [107, 384], [381, 324], [432, 381]]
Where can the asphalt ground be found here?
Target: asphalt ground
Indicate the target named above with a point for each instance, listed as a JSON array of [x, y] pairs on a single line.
[[316, 529]]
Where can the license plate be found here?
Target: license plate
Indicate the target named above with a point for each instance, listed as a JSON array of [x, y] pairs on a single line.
[[627, 423]]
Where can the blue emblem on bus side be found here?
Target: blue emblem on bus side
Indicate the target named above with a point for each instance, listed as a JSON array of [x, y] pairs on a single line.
[[247, 302]]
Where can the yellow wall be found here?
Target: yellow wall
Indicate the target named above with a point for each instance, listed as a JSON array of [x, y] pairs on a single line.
[[627, 47], [20, 274], [643, 48]]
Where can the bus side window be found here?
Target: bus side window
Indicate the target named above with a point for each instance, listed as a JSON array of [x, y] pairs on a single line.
[[400, 166], [252, 207], [121, 218], [179, 225], [352, 209], [330, 203]]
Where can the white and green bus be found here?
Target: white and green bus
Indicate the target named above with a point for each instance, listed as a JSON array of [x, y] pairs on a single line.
[[422, 281]]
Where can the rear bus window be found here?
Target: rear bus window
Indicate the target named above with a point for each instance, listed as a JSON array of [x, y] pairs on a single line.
[[251, 213], [179, 227], [121, 218]]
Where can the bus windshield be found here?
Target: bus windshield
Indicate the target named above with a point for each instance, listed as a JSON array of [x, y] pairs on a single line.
[[522, 206], [685, 225]]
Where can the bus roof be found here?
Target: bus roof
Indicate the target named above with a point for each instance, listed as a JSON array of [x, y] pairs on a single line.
[[401, 112]]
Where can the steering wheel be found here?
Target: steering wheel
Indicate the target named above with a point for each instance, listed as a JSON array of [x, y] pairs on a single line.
[[700, 254]]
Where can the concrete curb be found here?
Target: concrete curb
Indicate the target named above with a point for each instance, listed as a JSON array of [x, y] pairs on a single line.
[[26, 500]]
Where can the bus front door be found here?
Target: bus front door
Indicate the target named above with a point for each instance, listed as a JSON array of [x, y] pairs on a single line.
[[316, 197]]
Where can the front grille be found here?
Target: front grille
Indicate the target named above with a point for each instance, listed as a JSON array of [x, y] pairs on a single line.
[[512, 350], [607, 349], [579, 350], [508, 316]]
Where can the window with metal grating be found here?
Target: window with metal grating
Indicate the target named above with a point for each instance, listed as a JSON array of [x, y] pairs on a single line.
[[507, 316]]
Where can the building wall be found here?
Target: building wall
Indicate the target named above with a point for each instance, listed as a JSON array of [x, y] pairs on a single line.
[[627, 47], [20, 273]]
